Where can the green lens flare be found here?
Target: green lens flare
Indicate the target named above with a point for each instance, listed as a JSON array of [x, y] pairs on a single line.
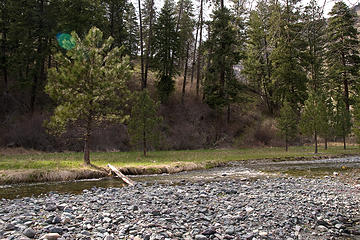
[[66, 41]]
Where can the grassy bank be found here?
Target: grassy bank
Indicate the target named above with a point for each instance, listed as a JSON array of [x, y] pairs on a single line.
[[31, 166]]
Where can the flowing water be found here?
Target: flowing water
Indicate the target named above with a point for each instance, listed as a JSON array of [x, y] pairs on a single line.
[[235, 170]]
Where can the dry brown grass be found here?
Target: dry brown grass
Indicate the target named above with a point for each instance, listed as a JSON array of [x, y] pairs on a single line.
[[34, 175], [160, 169]]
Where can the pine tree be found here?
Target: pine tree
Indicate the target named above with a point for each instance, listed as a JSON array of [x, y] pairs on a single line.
[[221, 88], [89, 86], [185, 28], [122, 25], [81, 15], [166, 47], [149, 16], [257, 63], [144, 122], [315, 38], [287, 123], [342, 120], [327, 112], [356, 124], [289, 75], [342, 52], [5, 9], [186, 38], [313, 118], [131, 24]]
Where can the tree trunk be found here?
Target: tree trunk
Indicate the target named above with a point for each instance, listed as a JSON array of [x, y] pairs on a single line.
[[222, 67], [39, 75], [228, 113], [4, 61], [185, 72], [33, 93], [195, 44], [144, 134], [346, 84], [208, 59], [143, 81], [86, 149], [286, 143], [176, 31], [326, 144], [199, 54], [316, 142], [344, 140], [148, 49], [86, 141], [144, 143]]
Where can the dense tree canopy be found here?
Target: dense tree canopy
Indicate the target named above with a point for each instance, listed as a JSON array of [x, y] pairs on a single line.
[[280, 54]]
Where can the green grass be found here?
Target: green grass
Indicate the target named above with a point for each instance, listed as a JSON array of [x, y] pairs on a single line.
[[208, 158]]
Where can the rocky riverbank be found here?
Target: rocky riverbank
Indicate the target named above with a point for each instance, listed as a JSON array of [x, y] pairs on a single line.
[[266, 208]]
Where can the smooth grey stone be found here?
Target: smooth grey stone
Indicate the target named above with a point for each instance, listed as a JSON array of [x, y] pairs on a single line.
[[29, 232], [200, 237]]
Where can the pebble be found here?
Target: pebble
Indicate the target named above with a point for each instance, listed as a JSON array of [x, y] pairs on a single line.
[[51, 236], [29, 232], [264, 208], [200, 237]]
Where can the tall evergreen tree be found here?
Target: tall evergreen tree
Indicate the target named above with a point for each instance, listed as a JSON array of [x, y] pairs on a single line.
[[166, 47], [313, 118], [122, 25], [315, 38], [32, 32], [356, 123], [342, 120], [199, 53], [81, 15], [131, 24], [186, 38], [257, 63], [186, 26], [287, 123], [289, 75], [5, 9], [327, 112], [342, 51], [221, 88], [144, 122], [149, 17]]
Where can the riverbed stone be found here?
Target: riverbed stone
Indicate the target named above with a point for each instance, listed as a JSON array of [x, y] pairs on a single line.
[[9, 227], [51, 236], [275, 207], [200, 237], [29, 232], [58, 230]]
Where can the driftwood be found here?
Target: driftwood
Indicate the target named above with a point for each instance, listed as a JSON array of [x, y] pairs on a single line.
[[122, 176]]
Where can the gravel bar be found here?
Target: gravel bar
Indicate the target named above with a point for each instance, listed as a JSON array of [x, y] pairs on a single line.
[[264, 208]]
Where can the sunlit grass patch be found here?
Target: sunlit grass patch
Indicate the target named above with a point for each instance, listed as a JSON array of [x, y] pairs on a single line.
[[205, 158]]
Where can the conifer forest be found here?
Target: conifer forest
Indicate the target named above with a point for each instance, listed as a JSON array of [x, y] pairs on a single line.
[[187, 74]]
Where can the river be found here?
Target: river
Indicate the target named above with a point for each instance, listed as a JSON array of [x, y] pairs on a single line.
[[236, 170]]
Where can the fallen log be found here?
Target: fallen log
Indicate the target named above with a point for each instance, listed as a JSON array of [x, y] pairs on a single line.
[[122, 176]]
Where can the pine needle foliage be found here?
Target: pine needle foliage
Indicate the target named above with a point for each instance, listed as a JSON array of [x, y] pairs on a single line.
[[89, 86], [144, 122]]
